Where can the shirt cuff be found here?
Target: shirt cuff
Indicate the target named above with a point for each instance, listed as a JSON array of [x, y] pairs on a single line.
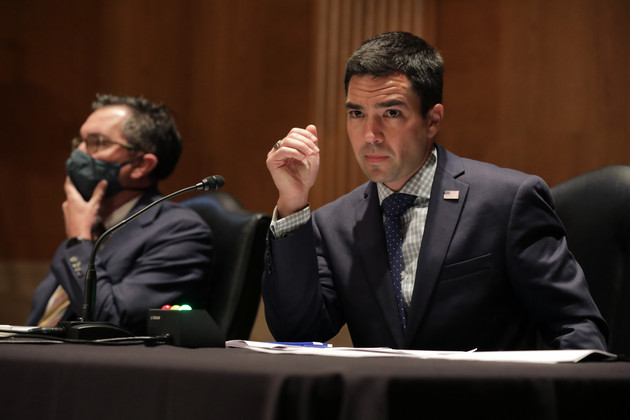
[[281, 228]]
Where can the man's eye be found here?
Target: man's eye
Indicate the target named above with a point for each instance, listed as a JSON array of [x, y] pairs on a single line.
[[355, 114], [392, 113]]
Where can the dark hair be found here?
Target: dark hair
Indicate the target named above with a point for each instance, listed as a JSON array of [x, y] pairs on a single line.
[[401, 52], [151, 128]]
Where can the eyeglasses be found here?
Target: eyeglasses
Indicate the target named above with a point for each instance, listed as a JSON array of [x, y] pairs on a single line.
[[94, 141]]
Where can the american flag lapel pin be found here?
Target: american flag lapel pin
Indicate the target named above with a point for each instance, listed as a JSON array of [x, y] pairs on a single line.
[[451, 195]]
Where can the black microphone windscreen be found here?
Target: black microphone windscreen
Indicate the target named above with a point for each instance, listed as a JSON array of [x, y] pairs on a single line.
[[213, 183]]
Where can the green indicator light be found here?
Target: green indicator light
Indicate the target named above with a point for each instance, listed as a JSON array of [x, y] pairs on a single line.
[[185, 308]]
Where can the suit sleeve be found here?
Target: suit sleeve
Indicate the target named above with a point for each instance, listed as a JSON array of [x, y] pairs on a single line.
[[300, 300], [545, 275]]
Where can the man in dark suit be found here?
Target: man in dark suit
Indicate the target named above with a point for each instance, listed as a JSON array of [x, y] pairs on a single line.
[[478, 259], [164, 256]]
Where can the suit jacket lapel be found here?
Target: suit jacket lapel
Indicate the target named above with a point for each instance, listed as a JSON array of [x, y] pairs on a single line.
[[442, 218], [147, 198], [370, 238], [121, 235]]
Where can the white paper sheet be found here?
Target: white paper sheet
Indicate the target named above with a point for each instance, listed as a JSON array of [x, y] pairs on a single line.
[[535, 356]]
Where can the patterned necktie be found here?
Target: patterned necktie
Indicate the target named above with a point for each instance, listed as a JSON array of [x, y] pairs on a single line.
[[394, 206], [56, 308]]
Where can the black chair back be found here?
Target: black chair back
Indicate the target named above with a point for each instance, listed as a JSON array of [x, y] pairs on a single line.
[[239, 245], [595, 210]]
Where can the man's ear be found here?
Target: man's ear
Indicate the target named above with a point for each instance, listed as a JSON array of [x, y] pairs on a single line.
[[143, 166], [434, 120]]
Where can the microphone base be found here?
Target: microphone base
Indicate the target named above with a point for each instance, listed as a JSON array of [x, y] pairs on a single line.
[[193, 328], [82, 330]]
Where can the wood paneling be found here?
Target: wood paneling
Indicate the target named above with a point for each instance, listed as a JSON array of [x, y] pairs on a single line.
[[228, 70], [540, 86]]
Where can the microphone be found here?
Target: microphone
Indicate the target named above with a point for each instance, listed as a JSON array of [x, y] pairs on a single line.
[[211, 183], [86, 327]]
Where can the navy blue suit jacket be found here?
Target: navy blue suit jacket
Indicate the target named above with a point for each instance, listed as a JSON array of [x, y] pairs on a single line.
[[164, 256], [494, 271]]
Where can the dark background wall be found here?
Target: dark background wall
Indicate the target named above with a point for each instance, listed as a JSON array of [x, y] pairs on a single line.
[[535, 85]]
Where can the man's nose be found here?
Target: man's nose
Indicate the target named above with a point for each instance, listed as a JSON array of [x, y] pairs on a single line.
[[373, 130]]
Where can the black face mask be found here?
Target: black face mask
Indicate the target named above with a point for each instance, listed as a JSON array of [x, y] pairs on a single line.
[[85, 172]]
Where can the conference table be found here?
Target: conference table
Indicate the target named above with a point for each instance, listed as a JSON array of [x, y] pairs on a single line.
[[87, 381]]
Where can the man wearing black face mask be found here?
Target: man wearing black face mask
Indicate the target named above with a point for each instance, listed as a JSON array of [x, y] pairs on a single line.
[[162, 257]]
